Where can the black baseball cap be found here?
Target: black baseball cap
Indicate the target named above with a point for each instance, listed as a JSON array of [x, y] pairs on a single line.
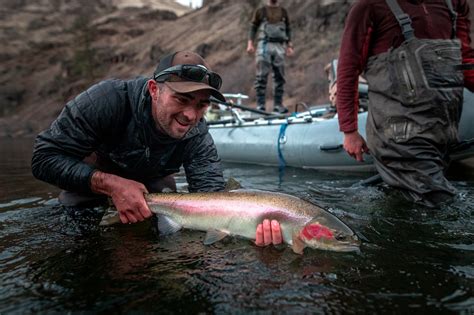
[[181, 84]]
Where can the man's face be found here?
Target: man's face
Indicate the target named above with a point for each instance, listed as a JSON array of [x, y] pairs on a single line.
[[176, 113]]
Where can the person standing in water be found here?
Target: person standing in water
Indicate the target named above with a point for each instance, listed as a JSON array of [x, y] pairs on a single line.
[[412, 54]]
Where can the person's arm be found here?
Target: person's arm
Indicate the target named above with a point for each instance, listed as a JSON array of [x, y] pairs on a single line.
[[59, 151], [290, 50], [127, 195], [89, 120], [254, 24], [463, 27], [352, 60]]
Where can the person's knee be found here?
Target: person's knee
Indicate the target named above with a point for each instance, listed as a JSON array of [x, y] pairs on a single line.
[[162, 184]]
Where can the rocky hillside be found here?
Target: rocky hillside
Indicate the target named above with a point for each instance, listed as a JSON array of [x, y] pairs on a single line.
[[52, 49]]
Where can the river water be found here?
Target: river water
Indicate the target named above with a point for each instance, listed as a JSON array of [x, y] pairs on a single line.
[[412, 259]]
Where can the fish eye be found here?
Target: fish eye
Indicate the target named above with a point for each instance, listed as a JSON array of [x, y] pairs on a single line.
[[340, 237]]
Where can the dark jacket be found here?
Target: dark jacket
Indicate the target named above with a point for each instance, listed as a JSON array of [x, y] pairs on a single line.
[[113, 119]]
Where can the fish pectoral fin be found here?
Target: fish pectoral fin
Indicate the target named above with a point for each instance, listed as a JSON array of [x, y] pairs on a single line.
[[167, 226], [213, 236], [298, 245]]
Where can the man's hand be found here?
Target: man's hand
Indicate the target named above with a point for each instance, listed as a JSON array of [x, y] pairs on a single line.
[[355, 145], [268, 233], [290, 51], [127, 196], [250, 48]]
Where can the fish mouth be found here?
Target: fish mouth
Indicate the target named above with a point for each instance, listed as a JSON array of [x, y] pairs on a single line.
[[337, 247], [348, 243], [347, 248], [340, 242]]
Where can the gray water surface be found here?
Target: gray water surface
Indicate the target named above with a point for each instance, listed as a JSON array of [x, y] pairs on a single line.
[[412, 260]]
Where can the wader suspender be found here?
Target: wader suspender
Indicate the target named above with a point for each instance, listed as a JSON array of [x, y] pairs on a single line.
[[405, 21]]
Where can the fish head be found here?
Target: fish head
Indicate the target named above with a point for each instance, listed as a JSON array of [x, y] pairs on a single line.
[[331, 235]]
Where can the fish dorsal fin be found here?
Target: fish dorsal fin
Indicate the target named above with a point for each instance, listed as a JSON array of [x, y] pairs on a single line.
[[298, 245], [167, 226], [232, 184], [213, 236]]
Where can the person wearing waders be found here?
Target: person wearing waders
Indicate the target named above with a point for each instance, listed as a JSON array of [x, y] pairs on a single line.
[[415, 55], [271, 27]]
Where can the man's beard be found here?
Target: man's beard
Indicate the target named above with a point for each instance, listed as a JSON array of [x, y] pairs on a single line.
[[168, 131]]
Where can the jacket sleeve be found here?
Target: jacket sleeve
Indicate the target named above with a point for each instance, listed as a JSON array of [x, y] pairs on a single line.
[[351, 63], [203, 165], [288, 26], [463, 27], [83, 124], [255, 23]]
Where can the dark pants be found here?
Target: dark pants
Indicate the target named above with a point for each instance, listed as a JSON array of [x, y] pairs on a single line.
[[270, 57], [415, 100]]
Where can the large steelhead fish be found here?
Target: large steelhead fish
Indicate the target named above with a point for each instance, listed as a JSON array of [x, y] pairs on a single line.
[[238, 212]]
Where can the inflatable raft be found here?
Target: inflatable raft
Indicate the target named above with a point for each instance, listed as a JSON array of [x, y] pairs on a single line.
[[309, 140]]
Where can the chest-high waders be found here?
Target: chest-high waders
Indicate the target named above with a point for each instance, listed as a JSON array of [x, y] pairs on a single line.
[[270, 57], [415, 102]]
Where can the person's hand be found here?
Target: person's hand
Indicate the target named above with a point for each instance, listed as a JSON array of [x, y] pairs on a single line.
[[355, 145], [333, 94], [250, 48], [268, 233], [290, 51], [127, 196], [130, 202]]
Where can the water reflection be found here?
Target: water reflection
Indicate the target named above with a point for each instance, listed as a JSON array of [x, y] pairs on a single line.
[[16, 181], [412, 259]]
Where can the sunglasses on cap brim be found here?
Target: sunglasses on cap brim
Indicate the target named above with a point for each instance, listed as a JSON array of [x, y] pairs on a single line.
[[196, 73]]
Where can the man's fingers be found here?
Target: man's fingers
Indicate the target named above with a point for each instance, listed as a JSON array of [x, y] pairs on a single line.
[[138, 216], [123, 218], [359, 156], [267, 232], [145, 211], [352, 155], [365, 149], [131, 218], [276, 232], [259, 235]]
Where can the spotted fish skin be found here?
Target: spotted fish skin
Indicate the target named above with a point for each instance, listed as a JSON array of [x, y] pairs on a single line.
[[238, 212]]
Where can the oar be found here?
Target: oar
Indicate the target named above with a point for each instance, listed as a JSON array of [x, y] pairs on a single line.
[[253, 110]]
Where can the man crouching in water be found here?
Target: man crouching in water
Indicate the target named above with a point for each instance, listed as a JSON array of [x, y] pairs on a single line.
[[121, 139]]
